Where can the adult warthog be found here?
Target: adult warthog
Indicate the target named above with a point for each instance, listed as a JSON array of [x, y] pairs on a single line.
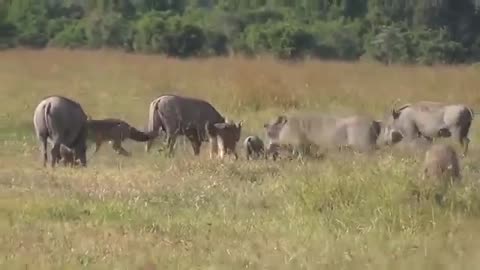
[[304, 130], [429, 120], [61, 121], [178, 115]]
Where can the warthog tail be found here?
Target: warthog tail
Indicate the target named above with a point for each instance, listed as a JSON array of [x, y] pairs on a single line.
[[46, 111], [154, 121], [138, 135]]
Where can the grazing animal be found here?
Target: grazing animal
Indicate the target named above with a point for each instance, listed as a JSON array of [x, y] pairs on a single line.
[[67, 156], [302, 131], [60, 120], [441, 169], [254, 147], [429, 120], [178, 115], [223, 138], [441, 162], [114, 131], [272, 149]]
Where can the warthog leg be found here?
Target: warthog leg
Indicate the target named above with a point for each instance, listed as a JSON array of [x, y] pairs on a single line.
[[55, 153], [462, 139], [171, 139], [466, 142], [248, 153], [44, 150]]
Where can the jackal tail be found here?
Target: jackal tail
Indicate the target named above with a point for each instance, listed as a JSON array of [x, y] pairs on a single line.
[[138, 135]]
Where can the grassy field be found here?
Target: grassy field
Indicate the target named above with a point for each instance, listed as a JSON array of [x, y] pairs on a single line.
[[151, 212]]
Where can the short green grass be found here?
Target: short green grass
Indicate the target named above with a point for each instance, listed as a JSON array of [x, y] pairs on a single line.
[[151, 212]]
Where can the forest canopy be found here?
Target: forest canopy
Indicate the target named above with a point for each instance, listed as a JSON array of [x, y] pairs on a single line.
[[390, 31]]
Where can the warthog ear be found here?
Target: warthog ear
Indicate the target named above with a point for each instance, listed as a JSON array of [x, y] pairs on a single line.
[[239, 125]]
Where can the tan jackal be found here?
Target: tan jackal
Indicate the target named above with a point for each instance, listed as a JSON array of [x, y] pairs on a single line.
[[223, 138], [67, 156], [115, 131]]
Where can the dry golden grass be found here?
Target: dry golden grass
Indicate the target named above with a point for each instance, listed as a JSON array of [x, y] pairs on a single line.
[[151, 212]]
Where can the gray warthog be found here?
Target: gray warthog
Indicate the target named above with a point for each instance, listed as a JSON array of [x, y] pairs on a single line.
[[60, 120], [304, 130], [178, 115], [254, 147], [429, 120], [441, 162], [223, 138]]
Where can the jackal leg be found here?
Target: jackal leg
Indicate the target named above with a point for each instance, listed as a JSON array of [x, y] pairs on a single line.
[[221, 148], [98, 143], [117, 146], [213, 145]]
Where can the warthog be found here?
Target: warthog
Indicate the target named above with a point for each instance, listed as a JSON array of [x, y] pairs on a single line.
[[429, 120], [441, 169], [254, 147], [177, 115], [223, 138], [60, 120], [441, 162], [115, 131], [303, 130]]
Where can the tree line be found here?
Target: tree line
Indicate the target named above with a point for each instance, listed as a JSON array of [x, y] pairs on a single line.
[[390, 31]]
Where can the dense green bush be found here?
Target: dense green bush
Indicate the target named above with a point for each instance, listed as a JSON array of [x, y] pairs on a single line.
[[422, 31], [72, 36], [8, 32]]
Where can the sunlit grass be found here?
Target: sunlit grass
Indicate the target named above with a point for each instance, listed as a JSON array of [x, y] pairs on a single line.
[[150, 212]]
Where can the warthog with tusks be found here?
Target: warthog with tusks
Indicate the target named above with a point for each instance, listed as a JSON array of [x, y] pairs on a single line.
[[304, 130], [61, 121], [178, 115], [429, 120]]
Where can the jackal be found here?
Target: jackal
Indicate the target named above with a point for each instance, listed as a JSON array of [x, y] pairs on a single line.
[[67, 156], [223, 138], [115, 131]]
